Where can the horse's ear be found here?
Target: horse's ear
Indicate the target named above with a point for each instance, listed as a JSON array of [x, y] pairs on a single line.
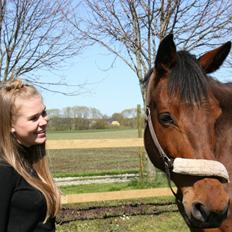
[[212, 60], [166, 55]]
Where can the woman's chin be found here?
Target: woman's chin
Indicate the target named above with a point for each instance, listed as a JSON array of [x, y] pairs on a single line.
[[41, 140]]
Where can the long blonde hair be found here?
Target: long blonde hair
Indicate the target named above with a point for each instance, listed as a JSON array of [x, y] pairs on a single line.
[[9, 151]]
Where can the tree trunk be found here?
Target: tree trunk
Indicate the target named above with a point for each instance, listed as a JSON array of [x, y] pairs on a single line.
[[150, 169]]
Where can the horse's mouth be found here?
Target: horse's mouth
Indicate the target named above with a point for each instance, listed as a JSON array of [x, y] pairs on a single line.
[[201, 219], [213, 221]]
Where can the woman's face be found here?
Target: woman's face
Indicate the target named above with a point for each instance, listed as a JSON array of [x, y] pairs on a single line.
[[30, 122]]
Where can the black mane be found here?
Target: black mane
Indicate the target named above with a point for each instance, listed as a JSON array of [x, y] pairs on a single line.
[[188, 79]]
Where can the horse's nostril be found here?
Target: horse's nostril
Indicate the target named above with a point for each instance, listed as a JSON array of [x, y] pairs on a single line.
[[200, 212], [225, 212]]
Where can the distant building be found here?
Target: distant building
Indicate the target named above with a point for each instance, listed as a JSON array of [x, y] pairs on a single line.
[[115, 124]]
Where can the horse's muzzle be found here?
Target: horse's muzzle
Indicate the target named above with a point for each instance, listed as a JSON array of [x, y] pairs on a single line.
[[205, 204], [202, 217]]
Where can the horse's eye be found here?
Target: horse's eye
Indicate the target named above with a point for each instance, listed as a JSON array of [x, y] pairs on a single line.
[[165, 119]]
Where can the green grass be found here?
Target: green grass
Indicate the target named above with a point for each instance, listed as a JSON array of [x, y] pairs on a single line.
[[94, 134], [134, 184], [166, 222], [90, 188]]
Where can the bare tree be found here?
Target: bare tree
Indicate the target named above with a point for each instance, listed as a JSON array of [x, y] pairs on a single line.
[[132, 29], [33, 35]]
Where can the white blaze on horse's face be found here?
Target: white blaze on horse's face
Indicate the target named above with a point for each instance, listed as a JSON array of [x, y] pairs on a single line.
[[183, 114]]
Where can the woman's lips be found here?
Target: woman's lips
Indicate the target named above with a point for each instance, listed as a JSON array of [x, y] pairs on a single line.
[[41, 133]]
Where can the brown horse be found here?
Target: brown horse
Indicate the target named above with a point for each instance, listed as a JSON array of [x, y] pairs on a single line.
[[189, 133]]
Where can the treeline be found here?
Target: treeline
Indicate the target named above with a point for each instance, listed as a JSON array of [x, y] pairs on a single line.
[[82, 118]]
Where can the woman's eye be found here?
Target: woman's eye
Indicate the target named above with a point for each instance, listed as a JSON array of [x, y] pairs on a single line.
[[37, 116], [166, 119], [44, 113], [34, 118]]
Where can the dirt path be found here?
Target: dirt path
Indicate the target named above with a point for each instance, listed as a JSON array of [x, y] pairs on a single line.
[[93, 143], [117, 195]]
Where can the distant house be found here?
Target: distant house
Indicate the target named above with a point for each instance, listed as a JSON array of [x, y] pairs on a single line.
[[115, 124]]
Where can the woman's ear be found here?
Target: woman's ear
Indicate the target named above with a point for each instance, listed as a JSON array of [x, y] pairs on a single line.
[[12, 130]]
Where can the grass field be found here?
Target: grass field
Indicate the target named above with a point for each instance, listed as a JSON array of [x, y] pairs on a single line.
[[94, 134], [109, 187], [101, 161], [90, 162], [93, 161], [166, 222], [84, 162]]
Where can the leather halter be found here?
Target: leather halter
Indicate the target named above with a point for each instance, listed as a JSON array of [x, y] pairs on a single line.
[[168, 162]]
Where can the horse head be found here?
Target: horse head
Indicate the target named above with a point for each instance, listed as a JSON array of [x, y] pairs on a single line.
[[180, 136]]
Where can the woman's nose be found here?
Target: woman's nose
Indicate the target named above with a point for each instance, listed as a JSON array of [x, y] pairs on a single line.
[[43, 120]]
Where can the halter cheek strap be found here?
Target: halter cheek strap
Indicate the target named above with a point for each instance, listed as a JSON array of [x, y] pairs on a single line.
[[168, 163]]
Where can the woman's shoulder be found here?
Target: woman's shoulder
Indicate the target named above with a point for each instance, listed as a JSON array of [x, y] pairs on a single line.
[[3, 163], [6, 169], [9, 178]]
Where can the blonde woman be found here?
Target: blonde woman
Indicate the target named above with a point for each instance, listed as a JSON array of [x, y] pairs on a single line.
[[29, 199]]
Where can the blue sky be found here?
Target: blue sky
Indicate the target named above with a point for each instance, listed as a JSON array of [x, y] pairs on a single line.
[[110, 89]]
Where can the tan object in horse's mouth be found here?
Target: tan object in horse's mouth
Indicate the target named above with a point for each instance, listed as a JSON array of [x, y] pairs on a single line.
[[200, 167]]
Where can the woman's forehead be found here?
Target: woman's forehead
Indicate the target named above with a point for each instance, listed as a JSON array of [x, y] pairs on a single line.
[[29, 105]]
